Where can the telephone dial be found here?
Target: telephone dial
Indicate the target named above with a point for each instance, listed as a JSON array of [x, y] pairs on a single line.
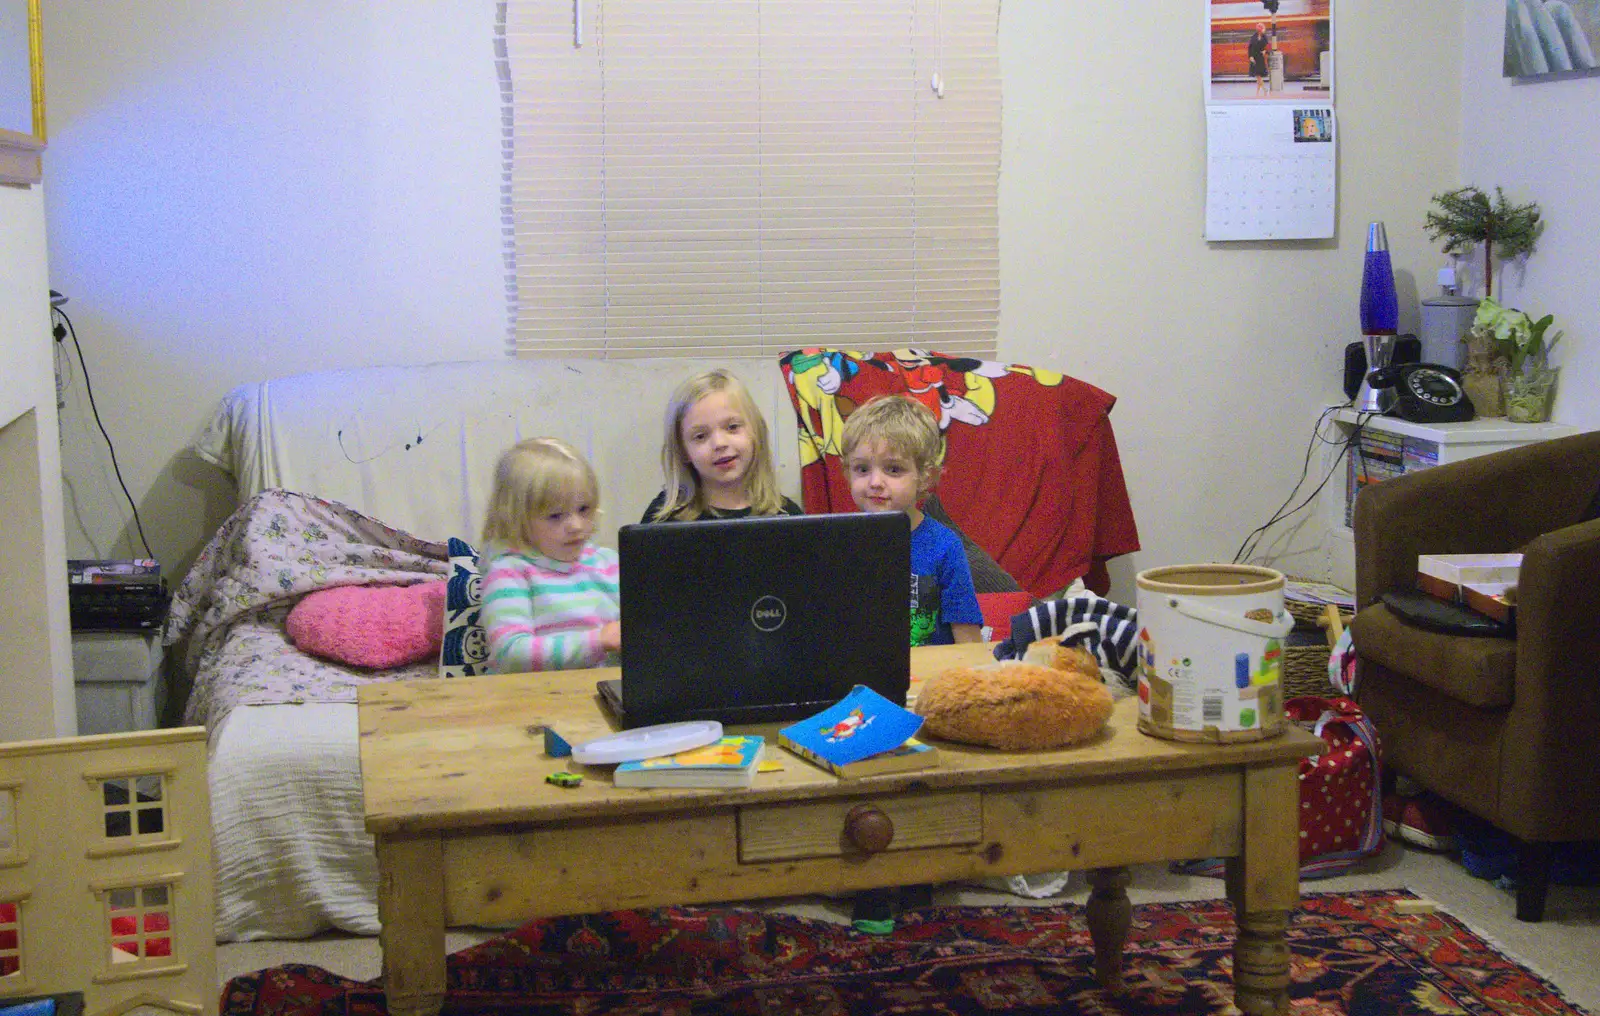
[[1426, 392]]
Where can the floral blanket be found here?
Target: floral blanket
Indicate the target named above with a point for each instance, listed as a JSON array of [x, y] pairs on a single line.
[[277, 547]]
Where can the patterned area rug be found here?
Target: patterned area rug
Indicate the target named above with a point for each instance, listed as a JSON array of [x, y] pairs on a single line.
[[1353, 955]]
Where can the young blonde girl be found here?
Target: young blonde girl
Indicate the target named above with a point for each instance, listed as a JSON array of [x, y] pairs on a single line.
[[550, 599], [715, 458]]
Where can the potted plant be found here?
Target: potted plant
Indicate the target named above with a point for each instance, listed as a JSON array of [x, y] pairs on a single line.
[[1529, 380], [1465, 218]]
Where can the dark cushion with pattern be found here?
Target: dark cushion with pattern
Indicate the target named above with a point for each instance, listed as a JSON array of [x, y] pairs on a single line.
[[987, 575], [465, 651]]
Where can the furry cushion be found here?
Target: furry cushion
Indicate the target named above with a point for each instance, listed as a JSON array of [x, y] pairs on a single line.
[[370, 626], [1071, 659], [1019, 706]]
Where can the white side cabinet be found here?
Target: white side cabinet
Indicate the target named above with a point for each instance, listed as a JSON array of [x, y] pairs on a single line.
[[1392, 447], [121, 683]]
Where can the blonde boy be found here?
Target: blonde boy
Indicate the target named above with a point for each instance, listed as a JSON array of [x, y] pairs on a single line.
[[891, 451]]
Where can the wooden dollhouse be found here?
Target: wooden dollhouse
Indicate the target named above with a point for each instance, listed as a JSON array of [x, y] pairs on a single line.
[[105, 872]]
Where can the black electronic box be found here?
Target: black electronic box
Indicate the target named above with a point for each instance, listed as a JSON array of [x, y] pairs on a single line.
[[127, 595]]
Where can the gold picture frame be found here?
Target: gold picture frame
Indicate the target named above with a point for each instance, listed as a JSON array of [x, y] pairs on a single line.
[[21, 141]]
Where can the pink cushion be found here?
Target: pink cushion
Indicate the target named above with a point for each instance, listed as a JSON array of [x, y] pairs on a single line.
[[999, 608], [370, 626]]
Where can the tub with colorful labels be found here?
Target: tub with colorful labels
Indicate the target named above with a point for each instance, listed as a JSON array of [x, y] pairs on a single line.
[[1211, 652]]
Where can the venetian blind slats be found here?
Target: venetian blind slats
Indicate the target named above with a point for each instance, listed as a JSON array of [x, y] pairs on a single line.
[[745, 177]]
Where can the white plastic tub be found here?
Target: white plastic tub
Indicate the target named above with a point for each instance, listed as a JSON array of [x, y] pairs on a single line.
[[1211, 652]]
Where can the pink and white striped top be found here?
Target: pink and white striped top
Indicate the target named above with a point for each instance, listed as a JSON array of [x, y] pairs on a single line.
[[543, 614]]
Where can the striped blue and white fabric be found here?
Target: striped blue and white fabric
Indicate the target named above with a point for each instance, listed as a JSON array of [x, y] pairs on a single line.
[[1106, 629]]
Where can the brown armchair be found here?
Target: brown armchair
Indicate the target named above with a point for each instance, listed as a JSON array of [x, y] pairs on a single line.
[[1508, 729]]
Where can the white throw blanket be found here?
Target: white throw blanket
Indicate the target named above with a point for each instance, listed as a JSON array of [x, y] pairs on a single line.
[[292, 853]]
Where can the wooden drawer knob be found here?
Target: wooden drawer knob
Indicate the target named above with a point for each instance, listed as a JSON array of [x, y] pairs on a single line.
[[869, 828]]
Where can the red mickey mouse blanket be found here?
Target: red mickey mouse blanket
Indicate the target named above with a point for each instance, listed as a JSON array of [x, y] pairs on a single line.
[[1031, 469]]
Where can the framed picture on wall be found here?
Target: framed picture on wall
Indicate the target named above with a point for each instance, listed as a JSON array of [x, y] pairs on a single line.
[[1551, 37]]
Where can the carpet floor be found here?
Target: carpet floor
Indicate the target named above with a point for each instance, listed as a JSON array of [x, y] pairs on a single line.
[[1352, 954]]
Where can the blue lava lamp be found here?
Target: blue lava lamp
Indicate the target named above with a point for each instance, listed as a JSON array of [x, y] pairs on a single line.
[[1380, 318]]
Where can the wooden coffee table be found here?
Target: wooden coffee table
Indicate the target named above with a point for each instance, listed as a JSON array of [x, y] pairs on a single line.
[[469, 833]]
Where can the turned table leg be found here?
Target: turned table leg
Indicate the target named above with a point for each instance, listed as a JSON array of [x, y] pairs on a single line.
[[1261, 963], [1109, 913], [1264, 884], [411, 915]]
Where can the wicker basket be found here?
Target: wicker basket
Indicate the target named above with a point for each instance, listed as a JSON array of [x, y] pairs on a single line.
[[1305, 659], [1309, 615], [1305, 671]]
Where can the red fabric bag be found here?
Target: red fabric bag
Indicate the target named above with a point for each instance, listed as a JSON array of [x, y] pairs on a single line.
[[1341, 795]]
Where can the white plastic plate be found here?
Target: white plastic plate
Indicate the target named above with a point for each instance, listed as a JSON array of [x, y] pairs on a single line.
[[647, 742]]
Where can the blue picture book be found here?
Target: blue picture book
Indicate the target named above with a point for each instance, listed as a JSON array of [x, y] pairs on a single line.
[[730, 761], [857, 727]]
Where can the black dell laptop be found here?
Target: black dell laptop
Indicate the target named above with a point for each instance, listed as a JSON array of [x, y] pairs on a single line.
[[759, 620]]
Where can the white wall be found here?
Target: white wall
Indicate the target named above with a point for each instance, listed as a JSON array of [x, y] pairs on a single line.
[[1540, 140], [36, 693], [246, 190], [1221, 355]]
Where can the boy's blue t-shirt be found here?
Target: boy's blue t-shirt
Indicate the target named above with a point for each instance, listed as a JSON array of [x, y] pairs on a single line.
[[941, 585]]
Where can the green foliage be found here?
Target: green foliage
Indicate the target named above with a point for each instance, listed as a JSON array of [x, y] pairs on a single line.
[[1465, 217], [1517, 337]]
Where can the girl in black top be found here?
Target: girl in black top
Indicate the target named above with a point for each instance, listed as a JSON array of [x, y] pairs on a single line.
[[715, 458]]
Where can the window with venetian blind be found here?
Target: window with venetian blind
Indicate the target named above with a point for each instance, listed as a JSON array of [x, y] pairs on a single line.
[[744, 177]]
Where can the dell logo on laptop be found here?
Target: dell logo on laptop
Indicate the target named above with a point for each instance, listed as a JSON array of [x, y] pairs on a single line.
[[769, 613]]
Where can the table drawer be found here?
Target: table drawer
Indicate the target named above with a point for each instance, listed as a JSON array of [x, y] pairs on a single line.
[[785, 832]]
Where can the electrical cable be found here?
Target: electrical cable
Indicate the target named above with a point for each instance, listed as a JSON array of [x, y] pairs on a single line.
[[63, 367], [89, 388], [1349, 445], [1252, 540], [1279, 515]]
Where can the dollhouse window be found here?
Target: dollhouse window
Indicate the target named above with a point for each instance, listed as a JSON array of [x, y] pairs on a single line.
[[10, 940], [139, 923], [9, 846], [135, 809]]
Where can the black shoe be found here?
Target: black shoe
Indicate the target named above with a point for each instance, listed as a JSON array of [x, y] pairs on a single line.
[[915, 897], [872, 912]]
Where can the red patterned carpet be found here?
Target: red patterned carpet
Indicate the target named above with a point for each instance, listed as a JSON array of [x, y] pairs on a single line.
[[1352, 956]]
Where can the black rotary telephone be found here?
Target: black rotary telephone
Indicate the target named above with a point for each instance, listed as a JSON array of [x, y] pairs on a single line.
[[1426, 392]]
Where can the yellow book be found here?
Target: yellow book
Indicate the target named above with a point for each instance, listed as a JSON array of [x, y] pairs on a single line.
[[728, 762]]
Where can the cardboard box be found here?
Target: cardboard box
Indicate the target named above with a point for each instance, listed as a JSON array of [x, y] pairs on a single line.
[[1485, 582]]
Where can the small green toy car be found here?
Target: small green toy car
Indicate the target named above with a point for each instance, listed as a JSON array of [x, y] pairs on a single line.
[[564, 779]]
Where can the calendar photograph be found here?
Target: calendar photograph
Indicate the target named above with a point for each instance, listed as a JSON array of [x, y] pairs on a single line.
[[1272, 51], [1314, 125], [1548, 37]]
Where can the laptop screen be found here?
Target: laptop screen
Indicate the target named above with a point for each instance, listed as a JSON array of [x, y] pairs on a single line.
[[762, 619]]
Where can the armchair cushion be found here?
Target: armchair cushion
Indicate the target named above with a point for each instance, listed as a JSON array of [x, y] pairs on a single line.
[[1476, 671]]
